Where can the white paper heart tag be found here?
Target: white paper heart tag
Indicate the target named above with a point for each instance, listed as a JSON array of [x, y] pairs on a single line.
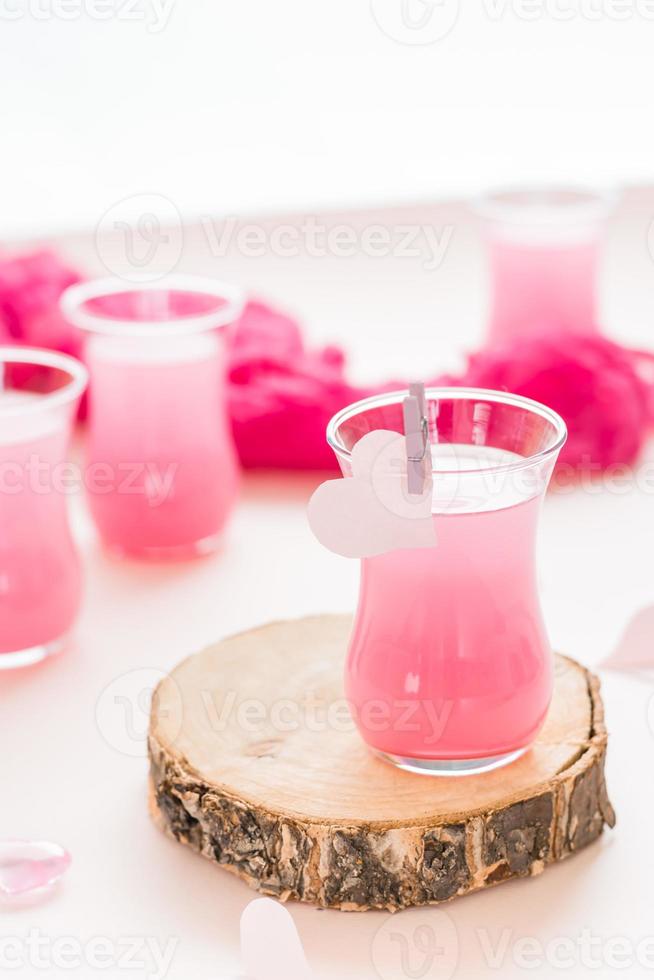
[[372, 512]]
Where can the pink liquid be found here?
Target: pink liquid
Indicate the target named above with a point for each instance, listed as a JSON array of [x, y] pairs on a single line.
[[542, 287], [449, 658], [158, 426], [40, 576]]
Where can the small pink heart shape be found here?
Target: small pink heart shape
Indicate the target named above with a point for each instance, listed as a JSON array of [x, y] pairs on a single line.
[[635, 650], [27, 866]]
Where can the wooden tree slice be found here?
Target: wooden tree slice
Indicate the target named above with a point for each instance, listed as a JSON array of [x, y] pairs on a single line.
[[256, 765]]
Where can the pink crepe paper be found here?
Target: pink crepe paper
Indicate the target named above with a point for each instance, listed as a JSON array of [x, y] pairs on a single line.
[[603, 391], [30, 287], [282, 394]]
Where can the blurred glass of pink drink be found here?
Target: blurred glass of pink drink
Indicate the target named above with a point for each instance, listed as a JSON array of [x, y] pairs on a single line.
[[544, 248], [40, 577], [161, 471], [449, 667]]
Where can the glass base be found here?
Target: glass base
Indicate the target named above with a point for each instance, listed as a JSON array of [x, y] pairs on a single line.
[[179, 552], [32, 655], [451, 767]]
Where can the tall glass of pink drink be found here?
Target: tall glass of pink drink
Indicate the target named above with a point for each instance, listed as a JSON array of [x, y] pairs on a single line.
[[40, 577], [161, 468], [449, 667], [544, 248]]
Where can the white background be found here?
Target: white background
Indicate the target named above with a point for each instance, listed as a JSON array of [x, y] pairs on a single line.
[[263, 107]]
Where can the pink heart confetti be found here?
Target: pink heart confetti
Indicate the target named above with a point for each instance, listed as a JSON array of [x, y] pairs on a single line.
[[30, 866], [634, 650]]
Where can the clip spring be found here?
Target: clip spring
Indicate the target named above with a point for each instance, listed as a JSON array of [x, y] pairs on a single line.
[[416, 432]]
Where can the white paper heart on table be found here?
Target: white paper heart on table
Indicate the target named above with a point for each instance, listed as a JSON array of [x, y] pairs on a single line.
[[271, 948], [30, 868], [372, 512], [270, 945]]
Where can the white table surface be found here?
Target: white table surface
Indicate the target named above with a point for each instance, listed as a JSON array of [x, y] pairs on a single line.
[[70, 772]]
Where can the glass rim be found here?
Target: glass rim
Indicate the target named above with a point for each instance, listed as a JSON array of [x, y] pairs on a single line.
[[74, 298], [461, 394], [525, 205], [73, 389]]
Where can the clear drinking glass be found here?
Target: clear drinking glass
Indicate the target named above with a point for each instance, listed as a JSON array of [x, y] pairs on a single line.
[[544, 248], [40, 576], [449, 667], [161, 467]]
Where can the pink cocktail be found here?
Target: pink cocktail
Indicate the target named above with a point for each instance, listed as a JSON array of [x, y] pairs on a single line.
[[449, 667], [161, 468], [544, 249], [40, 577]]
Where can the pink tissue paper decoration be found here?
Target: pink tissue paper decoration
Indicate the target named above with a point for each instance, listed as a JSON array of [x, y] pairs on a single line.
[[282, 394], [603, 391], [30, 287]]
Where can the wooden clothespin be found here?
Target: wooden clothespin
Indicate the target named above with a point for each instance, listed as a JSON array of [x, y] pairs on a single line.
[[416, 433]]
